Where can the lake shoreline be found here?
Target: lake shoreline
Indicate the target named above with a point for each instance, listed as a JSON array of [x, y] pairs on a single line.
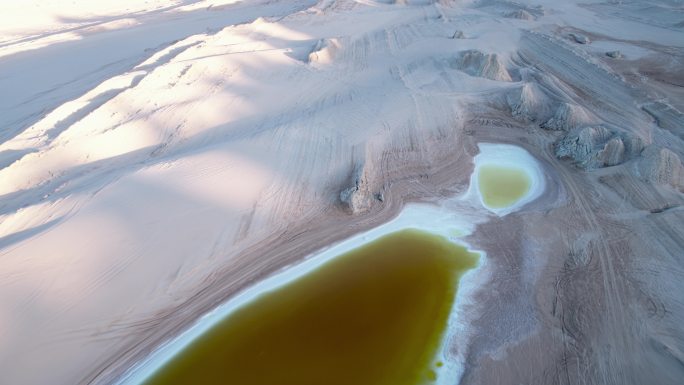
[[433, 219]]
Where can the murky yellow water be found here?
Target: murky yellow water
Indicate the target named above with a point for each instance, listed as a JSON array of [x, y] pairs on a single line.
[[502, 186], [373, 316]]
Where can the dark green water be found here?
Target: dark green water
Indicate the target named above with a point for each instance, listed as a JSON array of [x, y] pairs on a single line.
[[373, 316]]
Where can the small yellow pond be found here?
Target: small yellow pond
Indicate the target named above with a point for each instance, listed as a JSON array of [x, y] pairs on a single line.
[[502, 186]]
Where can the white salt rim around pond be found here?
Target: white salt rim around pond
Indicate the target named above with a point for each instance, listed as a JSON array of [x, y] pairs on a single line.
[[433, 219], [509, 156]]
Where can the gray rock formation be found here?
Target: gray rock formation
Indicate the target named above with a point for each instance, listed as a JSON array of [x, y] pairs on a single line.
[[661, 166], [634, 145], [357, 199], [476, 63], [567, 117], [529, 102], [324, 51], [579, 38], [614, 54], [612, 153], [458, 35], [580, 144], [520, 14], [594, 147]]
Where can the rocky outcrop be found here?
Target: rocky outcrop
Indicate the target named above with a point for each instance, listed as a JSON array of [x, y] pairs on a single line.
[[458, 34], [612, 153], [529, 102], [614, 54], [634, 145], [596, 146], [582, 144], [324, 51], [567, 117], [520, 14], [661, 166], [357, 198], [477, 63], [579, 38]]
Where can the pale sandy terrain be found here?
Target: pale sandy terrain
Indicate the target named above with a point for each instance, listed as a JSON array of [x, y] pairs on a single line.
[[158, 157]]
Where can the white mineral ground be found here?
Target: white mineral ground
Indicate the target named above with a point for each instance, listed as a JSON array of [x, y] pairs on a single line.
[[159, 157]]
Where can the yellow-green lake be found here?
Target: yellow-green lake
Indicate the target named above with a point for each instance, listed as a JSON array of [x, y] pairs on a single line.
[[502, 186], [376, 315]]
